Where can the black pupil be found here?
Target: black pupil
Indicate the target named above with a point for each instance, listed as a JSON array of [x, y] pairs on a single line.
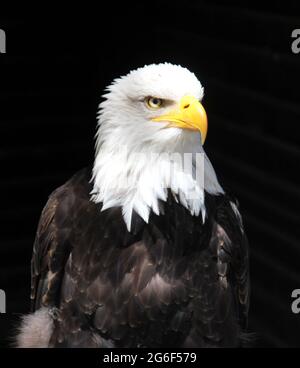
[[155, 101]]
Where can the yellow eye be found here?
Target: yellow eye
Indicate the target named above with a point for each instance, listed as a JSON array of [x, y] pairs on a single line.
[[154, 102]]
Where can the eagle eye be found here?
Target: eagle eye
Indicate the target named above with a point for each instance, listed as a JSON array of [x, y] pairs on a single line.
[[153, 102]]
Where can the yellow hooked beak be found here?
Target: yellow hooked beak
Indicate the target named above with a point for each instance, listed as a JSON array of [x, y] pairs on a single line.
[[189, 115]]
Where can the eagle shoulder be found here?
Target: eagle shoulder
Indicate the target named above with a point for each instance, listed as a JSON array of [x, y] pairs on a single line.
[[232, 248], [53, 242]]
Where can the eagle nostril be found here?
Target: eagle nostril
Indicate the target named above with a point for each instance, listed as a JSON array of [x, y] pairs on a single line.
[[186, 106]]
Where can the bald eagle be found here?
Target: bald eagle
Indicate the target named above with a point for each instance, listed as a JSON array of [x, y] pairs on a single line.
[[138, 251]]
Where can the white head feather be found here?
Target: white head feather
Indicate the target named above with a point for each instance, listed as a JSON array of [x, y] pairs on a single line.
[[134, 164]]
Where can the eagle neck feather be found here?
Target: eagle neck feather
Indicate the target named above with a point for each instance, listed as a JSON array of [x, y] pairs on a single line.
[[137, 179]]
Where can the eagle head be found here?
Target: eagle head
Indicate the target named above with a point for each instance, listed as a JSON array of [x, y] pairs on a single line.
[[158, 105], [146, 117]]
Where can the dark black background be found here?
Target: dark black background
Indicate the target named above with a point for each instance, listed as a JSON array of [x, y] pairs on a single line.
[[51, 79]]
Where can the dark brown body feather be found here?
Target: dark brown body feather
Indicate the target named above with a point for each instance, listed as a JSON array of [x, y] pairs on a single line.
[[173, 282]]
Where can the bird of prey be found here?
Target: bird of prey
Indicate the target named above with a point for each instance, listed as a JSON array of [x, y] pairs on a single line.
[[144, 248]]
